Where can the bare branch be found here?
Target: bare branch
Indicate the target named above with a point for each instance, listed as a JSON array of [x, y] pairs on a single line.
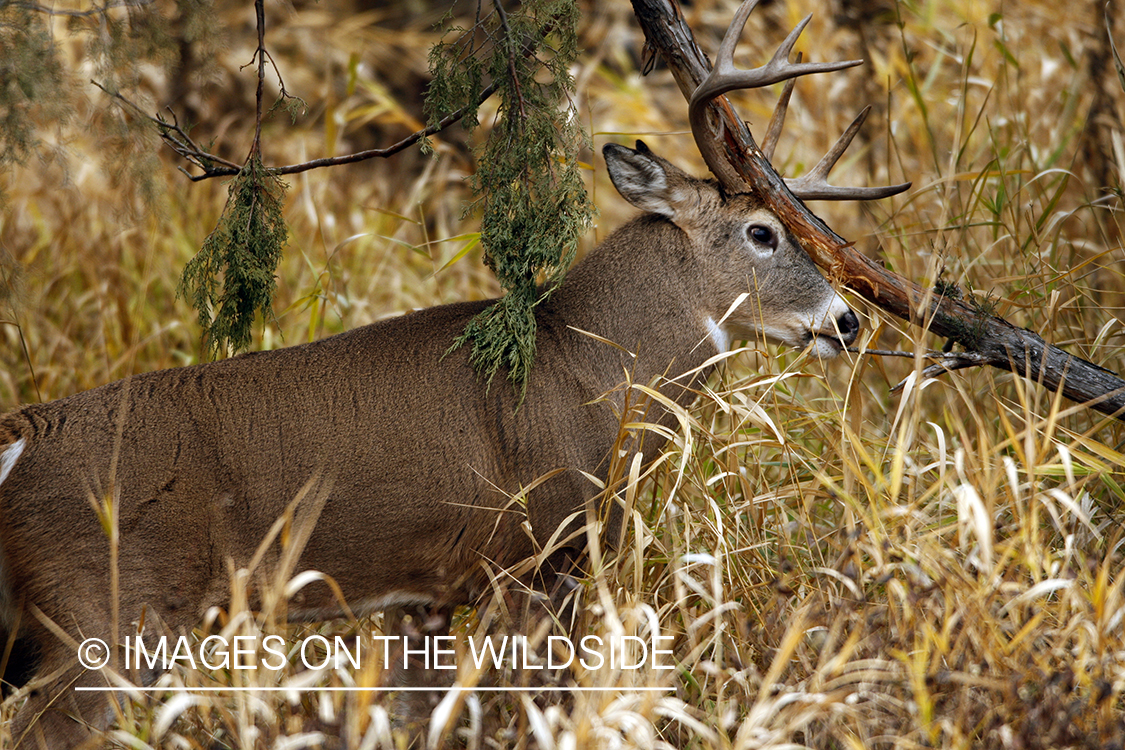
[[260, 54], [216, 166], [177, 138], [946, 361]]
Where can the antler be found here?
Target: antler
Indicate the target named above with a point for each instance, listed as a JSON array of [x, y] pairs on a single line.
[[725, 77]]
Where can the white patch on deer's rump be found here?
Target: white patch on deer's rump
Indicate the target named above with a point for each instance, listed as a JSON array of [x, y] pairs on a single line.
[[719, 336], [9, 457]]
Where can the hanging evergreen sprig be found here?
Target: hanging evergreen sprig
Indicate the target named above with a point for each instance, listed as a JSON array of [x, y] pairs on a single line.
[[246, 245], [528, 182], [233, 274]]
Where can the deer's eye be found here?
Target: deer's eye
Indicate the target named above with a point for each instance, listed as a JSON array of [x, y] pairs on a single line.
[[763, 235]]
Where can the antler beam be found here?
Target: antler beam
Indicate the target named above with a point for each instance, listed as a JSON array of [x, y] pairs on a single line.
[[994, 340], [725, 77]]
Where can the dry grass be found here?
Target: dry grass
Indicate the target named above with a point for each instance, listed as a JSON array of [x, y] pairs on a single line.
[[841, 566]]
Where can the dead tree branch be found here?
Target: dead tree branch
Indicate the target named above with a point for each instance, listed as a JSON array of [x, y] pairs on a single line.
[[260, 55], [177, 139]]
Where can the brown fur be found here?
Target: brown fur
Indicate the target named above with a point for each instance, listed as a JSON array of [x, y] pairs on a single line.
[[416, 453]]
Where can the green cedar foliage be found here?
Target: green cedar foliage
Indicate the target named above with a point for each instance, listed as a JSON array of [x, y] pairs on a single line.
[[232, 275], [528, 183]]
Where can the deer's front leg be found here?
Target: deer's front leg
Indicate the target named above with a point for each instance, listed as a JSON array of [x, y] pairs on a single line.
[[412, 669]]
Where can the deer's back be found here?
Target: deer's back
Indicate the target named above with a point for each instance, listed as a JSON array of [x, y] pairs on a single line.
[[418, 459]]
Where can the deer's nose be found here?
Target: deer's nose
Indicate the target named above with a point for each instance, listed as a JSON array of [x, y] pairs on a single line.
[[848, 324]]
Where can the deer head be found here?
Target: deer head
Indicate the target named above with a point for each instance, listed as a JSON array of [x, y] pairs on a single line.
[[757, 281]]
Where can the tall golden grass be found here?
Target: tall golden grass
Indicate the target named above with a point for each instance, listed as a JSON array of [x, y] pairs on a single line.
[[841, 566]]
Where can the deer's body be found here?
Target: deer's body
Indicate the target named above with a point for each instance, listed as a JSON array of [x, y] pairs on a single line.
[[419, 457], [209, 456]]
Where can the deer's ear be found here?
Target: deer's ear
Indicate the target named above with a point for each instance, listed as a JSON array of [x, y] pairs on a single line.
[[645, 180]]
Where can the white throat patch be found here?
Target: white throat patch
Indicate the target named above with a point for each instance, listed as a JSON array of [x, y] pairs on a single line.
[[720, 337], [9, 457]]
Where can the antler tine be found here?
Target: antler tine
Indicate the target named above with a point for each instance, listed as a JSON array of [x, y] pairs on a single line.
[[725, 77], [814, 185], [777, 121]]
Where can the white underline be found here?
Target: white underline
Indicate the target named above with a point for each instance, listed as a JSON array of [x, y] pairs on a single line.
[[276, 689]]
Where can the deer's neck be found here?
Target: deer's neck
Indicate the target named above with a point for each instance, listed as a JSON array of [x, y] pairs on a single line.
[[641, 289]]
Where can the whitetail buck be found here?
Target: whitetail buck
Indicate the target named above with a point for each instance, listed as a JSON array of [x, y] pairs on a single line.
[[417, 456]]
